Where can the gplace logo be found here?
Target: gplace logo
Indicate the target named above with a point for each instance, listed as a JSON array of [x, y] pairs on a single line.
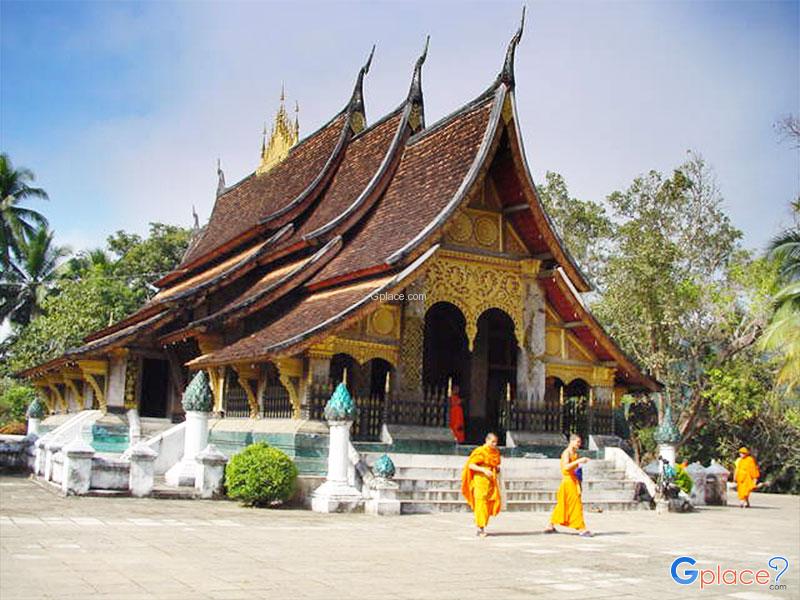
[[683, 575]]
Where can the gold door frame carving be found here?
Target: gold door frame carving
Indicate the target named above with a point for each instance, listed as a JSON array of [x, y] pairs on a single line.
[[475, 283]]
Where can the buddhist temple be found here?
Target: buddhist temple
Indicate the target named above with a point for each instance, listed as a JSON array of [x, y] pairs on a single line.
[[399, 256]]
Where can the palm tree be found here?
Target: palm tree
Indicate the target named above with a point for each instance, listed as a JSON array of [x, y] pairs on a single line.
[[30, 278], [783, 333], [96, 260], [16, 222]]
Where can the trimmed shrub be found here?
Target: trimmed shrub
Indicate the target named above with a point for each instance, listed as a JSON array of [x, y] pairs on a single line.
[[260, 475]]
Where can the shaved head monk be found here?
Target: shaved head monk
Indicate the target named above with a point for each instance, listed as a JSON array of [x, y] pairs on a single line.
[[479, 482], [569, 507]]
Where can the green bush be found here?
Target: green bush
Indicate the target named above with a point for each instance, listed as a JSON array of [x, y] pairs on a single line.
[[260, 475], [683, 480], [14, 401]]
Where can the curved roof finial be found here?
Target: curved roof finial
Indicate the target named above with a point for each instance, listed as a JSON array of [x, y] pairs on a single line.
[[357, 100], [507, 74], [415, 93], [220, 179]]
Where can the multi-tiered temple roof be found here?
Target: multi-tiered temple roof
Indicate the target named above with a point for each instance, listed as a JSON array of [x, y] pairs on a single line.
[[297, 250]]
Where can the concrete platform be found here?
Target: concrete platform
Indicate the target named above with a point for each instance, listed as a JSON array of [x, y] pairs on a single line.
[[119, 548]]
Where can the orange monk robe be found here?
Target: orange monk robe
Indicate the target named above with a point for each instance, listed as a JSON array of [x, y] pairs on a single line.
[[482, 492], [569, 507], [746, 476], [457, 418]]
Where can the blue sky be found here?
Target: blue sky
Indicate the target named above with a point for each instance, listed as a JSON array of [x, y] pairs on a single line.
[[123, 108]]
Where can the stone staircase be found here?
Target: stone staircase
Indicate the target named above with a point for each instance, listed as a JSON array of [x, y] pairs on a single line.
[[152, 426], [432, 483]]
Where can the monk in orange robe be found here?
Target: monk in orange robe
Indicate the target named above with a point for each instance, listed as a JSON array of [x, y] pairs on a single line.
[[569, 508], [746, 475], [479, 482], [456, 416]]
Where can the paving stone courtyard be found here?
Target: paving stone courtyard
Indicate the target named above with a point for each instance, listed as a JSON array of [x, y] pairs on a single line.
[[119, 548]]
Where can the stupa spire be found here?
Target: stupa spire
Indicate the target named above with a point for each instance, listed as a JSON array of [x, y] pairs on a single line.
[[283, 135]]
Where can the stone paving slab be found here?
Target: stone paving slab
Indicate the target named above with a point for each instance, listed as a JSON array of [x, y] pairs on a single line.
[[118, 548]]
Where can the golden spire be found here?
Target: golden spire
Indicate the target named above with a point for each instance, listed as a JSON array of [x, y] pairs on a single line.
[[282, 137]]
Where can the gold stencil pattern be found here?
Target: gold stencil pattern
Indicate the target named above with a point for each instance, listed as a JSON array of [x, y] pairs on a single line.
[[476, 284]]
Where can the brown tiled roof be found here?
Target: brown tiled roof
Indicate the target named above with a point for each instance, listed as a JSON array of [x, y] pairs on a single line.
[[276, 283], [207, 274], [361, 160], [431, 170], [241, 261], [305, 314], [242, 207], [313, 317]]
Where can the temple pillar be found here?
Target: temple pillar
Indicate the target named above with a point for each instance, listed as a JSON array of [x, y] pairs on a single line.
[[115, 388], [411, 349], [530, 368]]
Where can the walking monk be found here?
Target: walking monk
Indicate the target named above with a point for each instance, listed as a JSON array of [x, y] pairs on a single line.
[[569, 508], [456, 415], [479, 482], [746, 475]]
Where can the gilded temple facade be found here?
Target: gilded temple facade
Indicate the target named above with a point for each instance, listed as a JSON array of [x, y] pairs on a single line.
[[400, 257]]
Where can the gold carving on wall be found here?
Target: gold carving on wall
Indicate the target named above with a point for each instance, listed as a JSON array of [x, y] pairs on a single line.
[[460, 229], [476, 284], [92, 371], [290, 373], [249, 377], [486, 231], [361, 350], [593, 375], [411, 350], [476, 228], [131, 380], [552, 341], [385, 321]]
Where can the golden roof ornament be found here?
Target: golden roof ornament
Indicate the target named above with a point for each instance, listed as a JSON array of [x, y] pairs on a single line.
[[283, 136]]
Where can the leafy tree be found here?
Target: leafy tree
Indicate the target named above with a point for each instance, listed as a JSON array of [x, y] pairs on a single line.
[[14, 400], [143, 261], [29, 279], [681, 296], [84, 262], [95, 289], [16, 222], [583, 225], [82, 305]]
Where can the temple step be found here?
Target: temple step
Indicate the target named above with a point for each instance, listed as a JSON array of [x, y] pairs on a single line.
[[432, 483], [412, 484], [412, 508]]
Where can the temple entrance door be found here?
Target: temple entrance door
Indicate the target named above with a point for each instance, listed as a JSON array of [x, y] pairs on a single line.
[[155, 388], [494, 373], [576, 407], [446, 355]]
